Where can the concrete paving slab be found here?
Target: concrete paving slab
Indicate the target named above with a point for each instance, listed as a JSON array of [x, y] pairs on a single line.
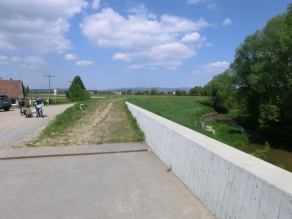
[[31, 151], [129, 185]]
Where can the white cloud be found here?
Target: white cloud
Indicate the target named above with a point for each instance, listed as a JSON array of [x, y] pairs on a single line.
[[35, 60], [140, 38], [195, 1], [161, 54], [37, 25], [126, 70], [2, 73], [152, 16], [217, 67], [95, 4], [70, 57], [209, 44], [227, 21], [84, 62], [136, 66], [153, 68], [3, 60], [15, 59], [172, 68], [192, 38]]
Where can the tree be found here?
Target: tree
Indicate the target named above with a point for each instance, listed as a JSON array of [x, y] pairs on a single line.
[[153, 91], [95, 92], [263, 73], [78, 80], [27, 90], [177, 93], [223, 92], [146, 92], [76, 91], [184, 93], [124, 93], [129, 92]]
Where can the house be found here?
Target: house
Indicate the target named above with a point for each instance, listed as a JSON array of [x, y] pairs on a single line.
[[13, 89], [119, 93]]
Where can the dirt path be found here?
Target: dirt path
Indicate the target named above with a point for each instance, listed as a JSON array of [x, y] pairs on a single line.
[[106, 122], [16, 129]]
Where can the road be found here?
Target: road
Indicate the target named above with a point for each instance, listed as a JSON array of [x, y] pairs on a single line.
[[15, 129]]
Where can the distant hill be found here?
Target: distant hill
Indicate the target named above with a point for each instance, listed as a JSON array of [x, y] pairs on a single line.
[[125, 89], [52, 90], [147, 88]]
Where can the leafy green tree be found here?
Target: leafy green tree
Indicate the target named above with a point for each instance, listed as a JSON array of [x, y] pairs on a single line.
[[263, 73], [223, 92], [153, 91], [78, 80], [27, 90], [76, 93], [95, 92], [146, 92], [129, 92], [138, 93], [184, 93], [124, 93], [177, 93], [193, 92]]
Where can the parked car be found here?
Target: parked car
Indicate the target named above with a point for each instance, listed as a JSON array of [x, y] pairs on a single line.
[[5, 102]]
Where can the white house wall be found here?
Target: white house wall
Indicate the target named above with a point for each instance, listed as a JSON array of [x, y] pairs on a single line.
[[230, 183]]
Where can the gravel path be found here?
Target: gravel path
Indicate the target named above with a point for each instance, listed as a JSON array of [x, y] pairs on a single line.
[[15, 129]]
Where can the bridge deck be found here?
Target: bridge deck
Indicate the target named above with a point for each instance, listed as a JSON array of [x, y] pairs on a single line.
[[112, 185]]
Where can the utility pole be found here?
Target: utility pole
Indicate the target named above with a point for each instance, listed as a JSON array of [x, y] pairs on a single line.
[[49, 76]]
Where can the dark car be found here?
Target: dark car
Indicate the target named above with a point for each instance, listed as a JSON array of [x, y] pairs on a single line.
[[5, 102]]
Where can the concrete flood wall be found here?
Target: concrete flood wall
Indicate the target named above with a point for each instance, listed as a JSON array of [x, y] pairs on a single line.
[[230, 183]]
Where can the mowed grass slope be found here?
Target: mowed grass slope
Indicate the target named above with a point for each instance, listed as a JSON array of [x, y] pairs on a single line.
[[188, 111], [185, 111]]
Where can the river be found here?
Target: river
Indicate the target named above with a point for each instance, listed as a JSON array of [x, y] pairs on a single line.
[[276, 155]]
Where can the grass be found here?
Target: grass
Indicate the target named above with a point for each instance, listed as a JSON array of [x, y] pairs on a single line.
[[228, 135], [68, 118], [188, 111], [118, 125], [99, 123]]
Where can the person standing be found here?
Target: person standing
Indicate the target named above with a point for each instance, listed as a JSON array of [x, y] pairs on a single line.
[[37, 102], [21, 106]]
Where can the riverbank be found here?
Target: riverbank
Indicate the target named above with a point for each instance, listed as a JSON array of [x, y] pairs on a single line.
[[280, 133], [277, 153]]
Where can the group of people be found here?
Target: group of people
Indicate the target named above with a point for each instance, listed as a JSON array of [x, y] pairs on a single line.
[[25, 109]]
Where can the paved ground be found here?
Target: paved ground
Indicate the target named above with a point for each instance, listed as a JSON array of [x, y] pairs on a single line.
[[15, 128], [126, 185]]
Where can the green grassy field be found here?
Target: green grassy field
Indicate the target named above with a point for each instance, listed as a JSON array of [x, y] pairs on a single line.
[[188, 111], [108, 120]]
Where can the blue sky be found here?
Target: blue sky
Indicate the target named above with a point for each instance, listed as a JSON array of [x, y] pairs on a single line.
[[115, 44]]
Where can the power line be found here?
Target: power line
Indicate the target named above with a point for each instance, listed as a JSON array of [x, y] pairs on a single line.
[[21, 64], [49, 76]]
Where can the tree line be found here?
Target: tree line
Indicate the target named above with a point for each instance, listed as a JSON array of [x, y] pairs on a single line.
[[258, 82]]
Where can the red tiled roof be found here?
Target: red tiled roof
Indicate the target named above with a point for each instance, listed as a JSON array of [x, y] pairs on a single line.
[[12, 88]]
